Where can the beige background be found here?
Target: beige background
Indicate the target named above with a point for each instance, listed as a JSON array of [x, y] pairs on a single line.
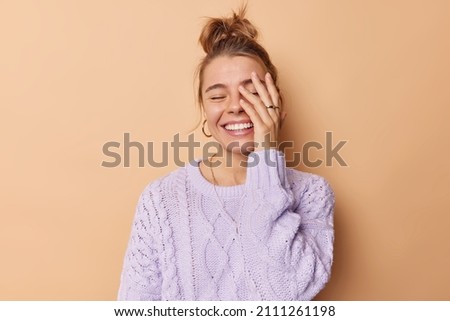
[[77, 74]]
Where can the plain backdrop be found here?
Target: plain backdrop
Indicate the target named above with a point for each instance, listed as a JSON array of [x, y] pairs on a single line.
[[75, 75]]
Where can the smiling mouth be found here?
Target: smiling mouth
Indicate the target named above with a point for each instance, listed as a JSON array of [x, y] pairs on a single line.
[[236, 127]]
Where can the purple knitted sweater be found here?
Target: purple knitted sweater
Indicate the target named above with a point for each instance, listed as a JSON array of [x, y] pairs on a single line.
[[268, 239]]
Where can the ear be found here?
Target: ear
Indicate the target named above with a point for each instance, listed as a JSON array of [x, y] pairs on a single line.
[[202, 110]]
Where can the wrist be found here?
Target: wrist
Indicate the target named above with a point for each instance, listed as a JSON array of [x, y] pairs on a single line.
[[266, 142], [266, 167]]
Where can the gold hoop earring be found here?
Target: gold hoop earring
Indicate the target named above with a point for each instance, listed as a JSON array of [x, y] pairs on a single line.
[[203, 129]]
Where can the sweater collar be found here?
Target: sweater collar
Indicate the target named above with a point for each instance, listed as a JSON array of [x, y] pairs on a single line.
[[196, 179]]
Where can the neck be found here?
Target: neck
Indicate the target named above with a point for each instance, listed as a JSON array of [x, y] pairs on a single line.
[[226, 170]]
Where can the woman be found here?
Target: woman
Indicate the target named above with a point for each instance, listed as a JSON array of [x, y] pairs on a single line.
[[238, 225]]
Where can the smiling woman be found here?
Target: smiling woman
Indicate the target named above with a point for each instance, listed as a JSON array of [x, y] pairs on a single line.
[[224, 102], [238, 225]]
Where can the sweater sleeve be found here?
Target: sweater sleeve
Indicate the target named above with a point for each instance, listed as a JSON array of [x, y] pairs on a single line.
[[286, 231], [141, 277]]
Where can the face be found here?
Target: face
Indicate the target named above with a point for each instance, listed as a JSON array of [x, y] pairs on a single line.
[[226, 119]]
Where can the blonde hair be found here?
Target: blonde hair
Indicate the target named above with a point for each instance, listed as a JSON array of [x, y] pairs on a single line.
[[231, 36]]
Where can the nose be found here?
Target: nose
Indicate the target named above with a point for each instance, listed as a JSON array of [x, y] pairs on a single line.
[[234, 107]]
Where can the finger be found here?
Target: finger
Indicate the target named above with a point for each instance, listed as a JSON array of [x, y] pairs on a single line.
[[252, 113], [273, 113], [283, 117], [261, 89], [257, 104], [273, 91]]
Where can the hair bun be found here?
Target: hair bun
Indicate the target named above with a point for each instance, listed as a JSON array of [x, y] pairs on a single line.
[[216, 30]]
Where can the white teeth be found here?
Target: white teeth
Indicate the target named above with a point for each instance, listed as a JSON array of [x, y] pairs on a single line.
[[238, 126]]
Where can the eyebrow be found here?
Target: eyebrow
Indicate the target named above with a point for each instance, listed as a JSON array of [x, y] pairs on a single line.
[[243, 83]]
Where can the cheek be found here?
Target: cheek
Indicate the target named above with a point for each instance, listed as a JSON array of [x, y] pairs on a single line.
[[213, 112]]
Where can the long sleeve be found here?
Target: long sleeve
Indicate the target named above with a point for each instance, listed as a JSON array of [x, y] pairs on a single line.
[[286, 229], [141, 277]]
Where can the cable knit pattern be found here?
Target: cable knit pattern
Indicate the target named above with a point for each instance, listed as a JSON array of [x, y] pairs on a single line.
[[277, 244]]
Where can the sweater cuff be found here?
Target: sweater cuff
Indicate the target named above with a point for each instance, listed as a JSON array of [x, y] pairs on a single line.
[[266, 168]]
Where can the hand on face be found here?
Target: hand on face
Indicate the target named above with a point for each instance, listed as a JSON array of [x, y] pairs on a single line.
[[266, 121]]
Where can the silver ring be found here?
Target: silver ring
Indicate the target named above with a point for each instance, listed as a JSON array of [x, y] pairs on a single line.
[[269, 107]]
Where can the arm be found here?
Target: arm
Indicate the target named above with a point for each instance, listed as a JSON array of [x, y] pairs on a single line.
[[141, 277], [287, 235]]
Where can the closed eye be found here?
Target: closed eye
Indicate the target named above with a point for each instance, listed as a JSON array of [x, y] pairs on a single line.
[[217, 97]]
